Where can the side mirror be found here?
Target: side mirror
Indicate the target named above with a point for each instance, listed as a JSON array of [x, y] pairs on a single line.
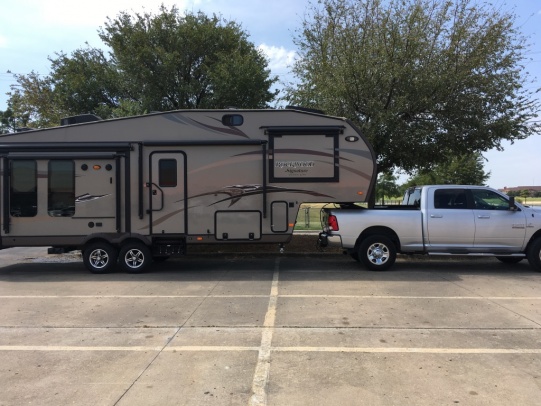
[[512, 205]]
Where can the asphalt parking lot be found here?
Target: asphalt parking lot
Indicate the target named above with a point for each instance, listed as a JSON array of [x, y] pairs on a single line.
[[269, 330]]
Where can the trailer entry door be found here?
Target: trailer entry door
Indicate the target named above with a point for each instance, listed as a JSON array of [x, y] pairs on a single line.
[[167, 192]]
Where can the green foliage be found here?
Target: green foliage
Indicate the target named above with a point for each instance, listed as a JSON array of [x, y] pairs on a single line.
[[9, 122], [423, 79], [463, 170], [156, 62], [387, 186], [190, 61]]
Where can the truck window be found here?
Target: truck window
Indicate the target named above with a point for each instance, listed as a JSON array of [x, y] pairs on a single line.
[[450, 199], [489, 200], [412, 197], [23, 189], [61, 188]]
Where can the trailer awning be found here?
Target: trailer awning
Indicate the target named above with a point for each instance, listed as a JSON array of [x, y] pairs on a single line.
[[304, 130]]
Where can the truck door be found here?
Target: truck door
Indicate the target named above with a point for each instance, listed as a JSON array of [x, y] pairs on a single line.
[[497, 227], [167, 192], [450, 222]]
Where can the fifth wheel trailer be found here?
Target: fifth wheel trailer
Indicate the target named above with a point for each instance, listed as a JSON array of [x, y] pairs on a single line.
[[125, 191]]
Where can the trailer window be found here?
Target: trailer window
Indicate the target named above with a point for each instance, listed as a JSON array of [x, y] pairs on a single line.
[[232, 120], [61, 189], [23, 197], [167, 172]]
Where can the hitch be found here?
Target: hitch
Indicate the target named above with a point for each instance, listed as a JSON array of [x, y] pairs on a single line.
[[323, 240]]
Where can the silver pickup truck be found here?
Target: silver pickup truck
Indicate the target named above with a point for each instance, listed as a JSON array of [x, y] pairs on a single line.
[[438, 220]]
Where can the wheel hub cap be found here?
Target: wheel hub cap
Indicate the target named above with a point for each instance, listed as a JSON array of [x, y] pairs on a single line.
[[378, 253]]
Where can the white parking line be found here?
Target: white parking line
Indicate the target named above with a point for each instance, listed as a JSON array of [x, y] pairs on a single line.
[[262, 369], [261, 375], [265, 296]]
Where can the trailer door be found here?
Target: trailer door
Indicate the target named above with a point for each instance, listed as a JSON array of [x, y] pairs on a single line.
[[167, 192]]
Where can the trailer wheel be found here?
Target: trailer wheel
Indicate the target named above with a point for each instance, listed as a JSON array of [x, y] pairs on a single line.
[[377, 252], [100, 257], [534, 254], [134, 257]]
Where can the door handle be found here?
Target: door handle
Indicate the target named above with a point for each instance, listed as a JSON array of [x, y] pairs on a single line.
[[483, 216], [436, 216]]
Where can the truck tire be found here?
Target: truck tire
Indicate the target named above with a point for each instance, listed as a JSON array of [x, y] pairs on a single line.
[[100, 257], [134, 257], [534, 254], [377, 252]]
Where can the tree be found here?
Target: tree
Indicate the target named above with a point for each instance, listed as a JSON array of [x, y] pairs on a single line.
[[525, 193], [424, 79], [190, 61], [156, 62], [9, 122], [387, 186], [463, 170]]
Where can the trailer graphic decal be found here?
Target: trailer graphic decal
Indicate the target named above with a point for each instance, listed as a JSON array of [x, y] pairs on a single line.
[[237, 192], [88, 198], [177, 118]]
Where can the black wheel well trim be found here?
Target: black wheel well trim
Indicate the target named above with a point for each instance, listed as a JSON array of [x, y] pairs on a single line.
[[535, 237], [134, 239], [379, 230], [115, 239]]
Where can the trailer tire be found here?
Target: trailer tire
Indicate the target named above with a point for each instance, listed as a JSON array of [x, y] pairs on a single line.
[[534, 254], [134, 257], [377, 252], [100, 257]]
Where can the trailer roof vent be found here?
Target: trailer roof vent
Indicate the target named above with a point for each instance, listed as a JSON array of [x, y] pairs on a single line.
[[81, 118]]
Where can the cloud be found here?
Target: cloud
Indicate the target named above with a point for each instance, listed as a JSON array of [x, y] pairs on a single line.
[[280, 59]]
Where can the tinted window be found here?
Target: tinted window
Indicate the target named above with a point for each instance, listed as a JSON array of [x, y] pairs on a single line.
[[450, 199], [167, 172], [232, 120], [412, 197], [23, 198], [61, 188]]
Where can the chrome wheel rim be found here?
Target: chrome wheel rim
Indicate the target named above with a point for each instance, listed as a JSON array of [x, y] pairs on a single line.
[[134, 258], [99, 258], [378, 253]]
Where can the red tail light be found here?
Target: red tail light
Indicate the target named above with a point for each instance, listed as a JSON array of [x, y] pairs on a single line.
[[333, 223]]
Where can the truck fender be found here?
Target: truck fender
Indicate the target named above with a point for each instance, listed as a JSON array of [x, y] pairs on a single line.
[[378, 230]]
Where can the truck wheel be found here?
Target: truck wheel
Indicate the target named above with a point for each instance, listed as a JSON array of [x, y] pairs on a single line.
[[534, 254], [377, 252], [134, 257], [100, 257]]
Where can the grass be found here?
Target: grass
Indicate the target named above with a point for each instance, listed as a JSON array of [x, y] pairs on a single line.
[[309, 217]]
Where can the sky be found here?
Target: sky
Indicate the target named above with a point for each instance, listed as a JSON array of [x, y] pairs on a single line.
[[33, 30]]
